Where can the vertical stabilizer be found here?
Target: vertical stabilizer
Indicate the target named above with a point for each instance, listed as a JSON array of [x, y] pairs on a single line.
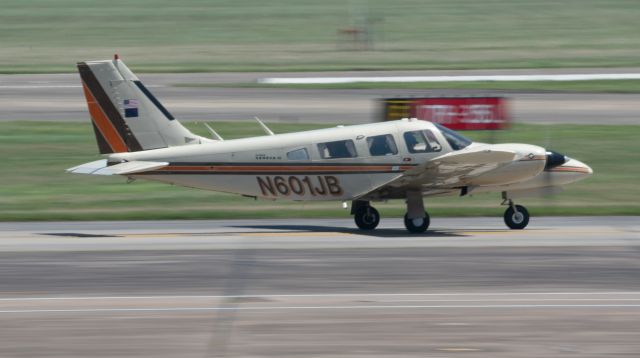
[[126, 116]]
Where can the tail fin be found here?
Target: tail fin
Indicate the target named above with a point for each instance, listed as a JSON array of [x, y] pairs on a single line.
[[126, 117]]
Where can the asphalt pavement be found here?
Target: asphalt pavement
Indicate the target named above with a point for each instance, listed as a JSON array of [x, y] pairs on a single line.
[[564, 287]]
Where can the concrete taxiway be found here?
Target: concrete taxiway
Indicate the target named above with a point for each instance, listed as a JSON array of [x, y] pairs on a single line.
[[564, 287], [59, 97]]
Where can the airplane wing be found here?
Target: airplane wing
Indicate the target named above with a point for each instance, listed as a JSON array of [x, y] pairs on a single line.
[[100, 167], [448, 171], [468, 162]]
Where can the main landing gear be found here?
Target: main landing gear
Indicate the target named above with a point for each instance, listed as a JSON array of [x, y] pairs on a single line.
[[417, 225], [516, 216], [416, 220], [365, 215]]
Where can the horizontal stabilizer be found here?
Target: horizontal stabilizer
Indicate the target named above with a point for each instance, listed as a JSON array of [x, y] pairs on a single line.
[[100, 167], [88, 168]]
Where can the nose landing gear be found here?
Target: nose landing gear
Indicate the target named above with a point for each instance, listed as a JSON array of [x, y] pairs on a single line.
[[516, 216]]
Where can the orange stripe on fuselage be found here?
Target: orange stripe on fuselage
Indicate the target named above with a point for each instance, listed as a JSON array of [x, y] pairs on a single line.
[[569, 169], [103, 123], [537, 157], [278, 168]]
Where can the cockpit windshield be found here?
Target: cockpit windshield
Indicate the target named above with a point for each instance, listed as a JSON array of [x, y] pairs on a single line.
[[456, 141]]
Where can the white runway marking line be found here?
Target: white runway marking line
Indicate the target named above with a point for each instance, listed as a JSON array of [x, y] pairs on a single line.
[[518, 299], [489, 78], [281, 308], [481, 300], [319, 295]]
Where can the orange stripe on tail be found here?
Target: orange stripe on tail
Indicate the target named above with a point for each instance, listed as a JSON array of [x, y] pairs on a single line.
[[103, 124]]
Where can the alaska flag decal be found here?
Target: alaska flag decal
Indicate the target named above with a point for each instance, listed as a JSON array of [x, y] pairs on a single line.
[[131, 108]]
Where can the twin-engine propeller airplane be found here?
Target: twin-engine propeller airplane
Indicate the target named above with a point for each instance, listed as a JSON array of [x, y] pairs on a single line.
[[405, 159]]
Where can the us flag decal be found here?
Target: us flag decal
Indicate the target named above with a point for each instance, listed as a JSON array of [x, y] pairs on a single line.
[[131, 108]]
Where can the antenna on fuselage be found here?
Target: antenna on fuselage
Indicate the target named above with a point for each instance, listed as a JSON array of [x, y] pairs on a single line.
[[214, 134], [264, 126]]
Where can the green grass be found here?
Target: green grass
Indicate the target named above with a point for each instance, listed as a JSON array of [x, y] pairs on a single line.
[[232, 35], [36, 187], [595, 86]]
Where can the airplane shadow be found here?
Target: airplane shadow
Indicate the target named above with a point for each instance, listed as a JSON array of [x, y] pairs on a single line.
[[292, 229]]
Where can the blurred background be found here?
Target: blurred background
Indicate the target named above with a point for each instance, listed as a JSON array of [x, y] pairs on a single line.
[[204, 60], [252, 35], [565, 287]]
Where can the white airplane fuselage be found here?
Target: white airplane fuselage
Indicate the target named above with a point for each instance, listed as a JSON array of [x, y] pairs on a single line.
[[259, 166]]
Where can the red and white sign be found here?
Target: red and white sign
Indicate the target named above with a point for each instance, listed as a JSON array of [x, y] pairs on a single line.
[[473, 113], [457, 113]]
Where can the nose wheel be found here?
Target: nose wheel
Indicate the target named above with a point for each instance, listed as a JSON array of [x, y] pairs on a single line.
[[516, 217]]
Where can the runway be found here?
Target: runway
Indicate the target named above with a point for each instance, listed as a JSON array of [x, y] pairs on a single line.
[[57, 97], [564, 287]]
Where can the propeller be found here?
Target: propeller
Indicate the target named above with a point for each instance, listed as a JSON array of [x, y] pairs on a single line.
[[553, 159]]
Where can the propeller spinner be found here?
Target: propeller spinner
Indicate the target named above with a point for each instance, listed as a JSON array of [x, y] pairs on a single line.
[[555, 159]]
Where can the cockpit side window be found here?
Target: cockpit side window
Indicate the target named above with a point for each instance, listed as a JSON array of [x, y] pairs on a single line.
[[382, 145], [456, 141], [432, 140], [417, 142], [337, 149], [298, 154]]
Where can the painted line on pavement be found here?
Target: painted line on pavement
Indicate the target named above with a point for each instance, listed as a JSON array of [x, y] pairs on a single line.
[[321, 295], [282, 308], [489, 78]]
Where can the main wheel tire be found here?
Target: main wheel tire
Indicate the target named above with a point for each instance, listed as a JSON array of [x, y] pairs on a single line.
[[516, 220], [367, 218], [417, 226]]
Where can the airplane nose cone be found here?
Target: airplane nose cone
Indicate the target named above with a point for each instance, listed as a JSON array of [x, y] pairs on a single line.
[[569, 172], [577, 168], [559, 162]]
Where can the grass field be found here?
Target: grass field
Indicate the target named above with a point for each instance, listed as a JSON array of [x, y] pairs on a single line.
[[595, 86], [36, 187], [226, 35]]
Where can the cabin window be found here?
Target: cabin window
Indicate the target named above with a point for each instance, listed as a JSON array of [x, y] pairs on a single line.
[[382, 145], [298, 154], [337, 149]]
